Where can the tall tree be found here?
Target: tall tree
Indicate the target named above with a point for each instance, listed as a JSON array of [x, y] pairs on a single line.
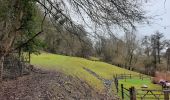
[[146, 43], [14, 13], [168, 59], [130, 46], [158, 43], [153, 46], [11, 23], [16, 24]]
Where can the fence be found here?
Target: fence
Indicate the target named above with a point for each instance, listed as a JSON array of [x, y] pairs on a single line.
[[139, 94], [143, 94], [15, 64], [128, 92], [129, 76]]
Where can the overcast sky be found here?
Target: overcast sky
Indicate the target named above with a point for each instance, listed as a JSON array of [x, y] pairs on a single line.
[[160, 12], [162, 20]]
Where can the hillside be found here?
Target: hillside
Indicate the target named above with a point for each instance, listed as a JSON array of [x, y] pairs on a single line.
[[93, 72], [49, 85]]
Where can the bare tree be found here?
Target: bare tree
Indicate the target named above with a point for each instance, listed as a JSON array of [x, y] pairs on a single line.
[[168, 58], [130, 47], [158, 43], [153, 46], [146, 43], [106, 13]]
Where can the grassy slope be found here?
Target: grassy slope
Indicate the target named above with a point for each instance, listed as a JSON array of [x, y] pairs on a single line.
[[74, 66]]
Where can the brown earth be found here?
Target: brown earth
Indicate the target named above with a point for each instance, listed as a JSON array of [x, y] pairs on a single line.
[[48, 85]]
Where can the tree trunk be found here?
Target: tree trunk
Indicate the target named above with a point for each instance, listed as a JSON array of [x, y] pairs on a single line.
[[29, 57], [148, 52], [130, 60], [155, 62], [168, 62], [1, 68], [159, 58]]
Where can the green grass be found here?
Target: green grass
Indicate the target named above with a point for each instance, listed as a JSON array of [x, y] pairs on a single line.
[[138, 83], [94, 58], [74, 66]]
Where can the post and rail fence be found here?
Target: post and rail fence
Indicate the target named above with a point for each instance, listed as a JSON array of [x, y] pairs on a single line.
[[130, 76], [139, 94], [143, 94]]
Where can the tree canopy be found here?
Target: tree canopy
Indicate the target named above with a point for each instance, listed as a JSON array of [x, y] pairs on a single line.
[[20, 26], [104, 13]]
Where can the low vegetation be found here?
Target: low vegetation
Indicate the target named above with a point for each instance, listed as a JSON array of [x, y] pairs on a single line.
[[84, 39], [75, 66], [48, 85]]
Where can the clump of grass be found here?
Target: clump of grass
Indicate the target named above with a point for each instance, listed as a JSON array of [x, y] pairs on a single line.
[[94, 58]]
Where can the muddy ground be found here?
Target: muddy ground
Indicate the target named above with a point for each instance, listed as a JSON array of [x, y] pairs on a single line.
[[48, 85]]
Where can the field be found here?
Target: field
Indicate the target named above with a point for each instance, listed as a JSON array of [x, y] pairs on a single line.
[[74, 66], [138, 83]]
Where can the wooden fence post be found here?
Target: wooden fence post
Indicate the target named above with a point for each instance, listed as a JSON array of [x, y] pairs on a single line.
[[116, 84], [139, 76], [122, 91], [166, 95], [125, 77], [132, 93], [142, 76]]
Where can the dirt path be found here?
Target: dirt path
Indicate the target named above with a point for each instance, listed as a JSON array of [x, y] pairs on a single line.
[[49, 86], [107, 83]]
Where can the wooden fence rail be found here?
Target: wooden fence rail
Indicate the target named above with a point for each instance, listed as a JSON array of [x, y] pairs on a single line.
[[133, 94], [130, 93], [130, 76], [139, 94]]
